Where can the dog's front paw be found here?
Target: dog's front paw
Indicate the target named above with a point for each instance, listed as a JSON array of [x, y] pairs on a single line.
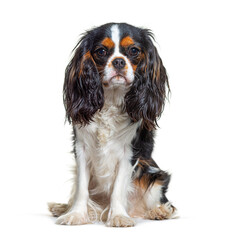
[[120, 221], [73, 218]]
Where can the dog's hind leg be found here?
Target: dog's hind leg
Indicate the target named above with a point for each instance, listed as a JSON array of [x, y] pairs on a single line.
[[152, 183]]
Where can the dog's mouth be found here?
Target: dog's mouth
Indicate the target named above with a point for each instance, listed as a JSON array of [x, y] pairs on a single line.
[[118, 79]]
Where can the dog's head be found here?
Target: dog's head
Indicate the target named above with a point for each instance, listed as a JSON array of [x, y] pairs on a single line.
[[115, 56]]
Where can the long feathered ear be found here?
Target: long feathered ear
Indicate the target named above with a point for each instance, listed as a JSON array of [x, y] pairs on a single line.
[[83, 92], [146, 98]]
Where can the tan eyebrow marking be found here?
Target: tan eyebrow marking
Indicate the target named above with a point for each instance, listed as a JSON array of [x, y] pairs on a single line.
[[108, 42], [126, 41]]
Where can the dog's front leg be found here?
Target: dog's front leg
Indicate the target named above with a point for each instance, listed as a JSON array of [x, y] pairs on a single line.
[[118, 216], [77, 214]]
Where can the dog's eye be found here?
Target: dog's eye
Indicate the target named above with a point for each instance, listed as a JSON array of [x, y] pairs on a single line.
[[134, 51], [101, 52]]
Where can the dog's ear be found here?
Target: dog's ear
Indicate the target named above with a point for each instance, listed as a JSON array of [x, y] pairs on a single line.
[[146, 98], [83, 91]]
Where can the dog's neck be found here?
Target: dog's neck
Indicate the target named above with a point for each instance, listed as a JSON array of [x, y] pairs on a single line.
[[114, 95]]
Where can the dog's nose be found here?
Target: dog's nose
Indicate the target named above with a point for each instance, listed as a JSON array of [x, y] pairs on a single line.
[[119, 63]]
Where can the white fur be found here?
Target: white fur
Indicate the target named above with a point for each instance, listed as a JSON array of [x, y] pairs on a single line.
[[109, 69], [107, 141], [103, 151], [152, 199], [81, 195], [103, 148], [115, 35], [121, 185], [83, 177], [153, 169]]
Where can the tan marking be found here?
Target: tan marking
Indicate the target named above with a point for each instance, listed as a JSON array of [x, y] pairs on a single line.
[[143, 162], [144, 68], [140, 57], [108, 42], [134, 66], [110, 65], [127, 41], [85, 57], [106, 84], [142, 183]]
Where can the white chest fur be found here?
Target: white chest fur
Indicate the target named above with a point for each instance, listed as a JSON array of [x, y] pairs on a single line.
[[106, 141]]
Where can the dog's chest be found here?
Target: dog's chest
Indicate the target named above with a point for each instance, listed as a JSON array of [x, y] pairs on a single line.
[[109, 123], [111, 132], [107, 139]]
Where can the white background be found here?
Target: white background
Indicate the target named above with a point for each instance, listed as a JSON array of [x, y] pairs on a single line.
[[195, 142]]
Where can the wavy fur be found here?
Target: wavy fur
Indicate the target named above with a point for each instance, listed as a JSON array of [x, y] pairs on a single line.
[[114, 110], [146, 98], [83, 92]]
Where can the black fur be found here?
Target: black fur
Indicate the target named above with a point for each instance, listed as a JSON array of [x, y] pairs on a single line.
[[83, 91], [142, 146], [147, 95]]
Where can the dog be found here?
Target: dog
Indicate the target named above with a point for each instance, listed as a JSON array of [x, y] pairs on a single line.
[[114, 92]]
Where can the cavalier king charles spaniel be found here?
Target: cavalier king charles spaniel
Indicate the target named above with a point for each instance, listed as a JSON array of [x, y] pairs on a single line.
[[114, 91]]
